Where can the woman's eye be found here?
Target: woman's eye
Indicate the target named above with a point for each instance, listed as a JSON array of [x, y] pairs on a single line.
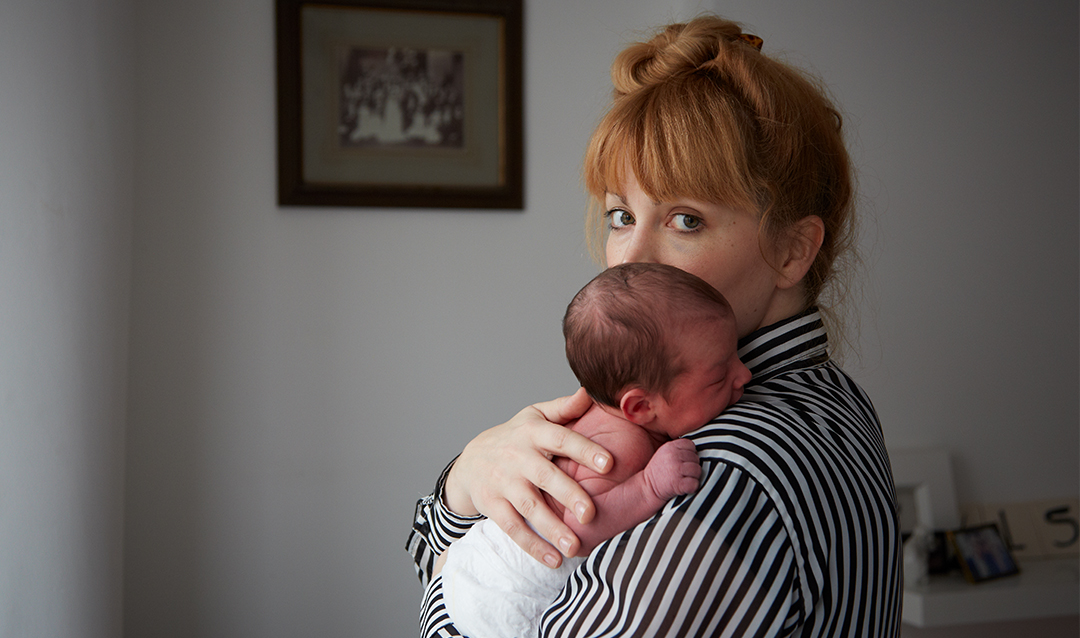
[[620, 218], [687, 222]]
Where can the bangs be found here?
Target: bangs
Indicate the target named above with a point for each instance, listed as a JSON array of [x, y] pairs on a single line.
[[683, 138]]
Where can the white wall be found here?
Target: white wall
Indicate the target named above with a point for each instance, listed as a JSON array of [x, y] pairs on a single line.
[[66, 148], [267, 349], [964, 125], [298, 377]]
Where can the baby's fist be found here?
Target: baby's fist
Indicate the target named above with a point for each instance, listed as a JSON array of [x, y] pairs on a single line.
[[674, 469]]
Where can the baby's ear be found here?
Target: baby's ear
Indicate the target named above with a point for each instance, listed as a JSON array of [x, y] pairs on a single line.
[[638, 406]]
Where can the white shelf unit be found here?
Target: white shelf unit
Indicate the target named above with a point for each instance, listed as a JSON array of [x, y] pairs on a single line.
[[1044, 588]]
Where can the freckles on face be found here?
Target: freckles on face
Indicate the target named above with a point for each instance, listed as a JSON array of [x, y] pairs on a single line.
[[716, 243]]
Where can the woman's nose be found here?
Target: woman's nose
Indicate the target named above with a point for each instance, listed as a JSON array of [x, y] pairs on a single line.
[[640, 249]]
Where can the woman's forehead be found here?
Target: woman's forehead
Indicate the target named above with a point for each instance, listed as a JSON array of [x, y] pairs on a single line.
[[667, 185]]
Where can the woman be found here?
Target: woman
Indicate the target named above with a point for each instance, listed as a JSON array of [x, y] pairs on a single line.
[[729, 165]]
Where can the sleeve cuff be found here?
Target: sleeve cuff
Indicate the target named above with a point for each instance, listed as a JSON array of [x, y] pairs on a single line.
[[447, 525]]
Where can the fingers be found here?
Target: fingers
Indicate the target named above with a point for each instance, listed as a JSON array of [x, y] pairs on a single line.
[[549, 478], [689, 464], [532, 507], [691, 475], [674, 469], [566, 442], [565, 409], [688, 485], [683, 445], [502, 471]]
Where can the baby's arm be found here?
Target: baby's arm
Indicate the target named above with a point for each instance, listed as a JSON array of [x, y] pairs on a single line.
[[674, 469]]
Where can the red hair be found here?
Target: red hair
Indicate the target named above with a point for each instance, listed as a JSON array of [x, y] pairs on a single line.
[[699, 112]]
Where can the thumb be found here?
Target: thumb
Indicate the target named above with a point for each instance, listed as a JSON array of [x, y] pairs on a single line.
[[566, 409]]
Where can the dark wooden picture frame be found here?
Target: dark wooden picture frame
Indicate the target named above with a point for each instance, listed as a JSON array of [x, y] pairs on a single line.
[[400, 103]]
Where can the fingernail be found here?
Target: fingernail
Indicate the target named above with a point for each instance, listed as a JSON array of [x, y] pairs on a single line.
[[601, 461], [564, 544], [551, 560], [579, 511]]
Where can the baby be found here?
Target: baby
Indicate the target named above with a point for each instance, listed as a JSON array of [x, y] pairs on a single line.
[[655, 348]]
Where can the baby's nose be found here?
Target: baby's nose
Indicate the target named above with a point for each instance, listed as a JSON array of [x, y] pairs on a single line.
[[743, 377]]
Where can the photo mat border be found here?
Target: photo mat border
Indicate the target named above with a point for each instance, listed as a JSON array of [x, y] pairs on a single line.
[[295, 190]]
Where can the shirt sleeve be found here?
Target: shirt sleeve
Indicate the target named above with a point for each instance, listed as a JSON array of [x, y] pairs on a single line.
[[434, 527], [715, 563], [434, 619]]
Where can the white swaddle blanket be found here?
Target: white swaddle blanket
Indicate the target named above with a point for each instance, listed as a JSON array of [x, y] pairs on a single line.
[[493, 589]]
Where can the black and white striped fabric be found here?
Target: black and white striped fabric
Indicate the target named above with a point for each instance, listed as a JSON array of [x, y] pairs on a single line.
[[792, 533]]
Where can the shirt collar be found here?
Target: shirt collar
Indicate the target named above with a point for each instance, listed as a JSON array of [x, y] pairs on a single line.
[[795, 342]]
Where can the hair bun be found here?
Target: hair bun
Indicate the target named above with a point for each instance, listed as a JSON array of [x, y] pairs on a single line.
[[679, 49]]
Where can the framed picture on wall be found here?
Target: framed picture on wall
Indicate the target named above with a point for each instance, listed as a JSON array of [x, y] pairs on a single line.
[[400, 103]]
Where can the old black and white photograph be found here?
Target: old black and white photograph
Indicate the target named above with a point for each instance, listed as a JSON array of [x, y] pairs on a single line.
[[401, 96], [416, 106]]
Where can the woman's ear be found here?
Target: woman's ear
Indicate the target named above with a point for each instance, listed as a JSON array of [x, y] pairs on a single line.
[[637, 406], [803, 243]]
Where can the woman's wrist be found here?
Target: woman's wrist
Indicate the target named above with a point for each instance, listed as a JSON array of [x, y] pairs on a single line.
[[454, 496], [454, 499]]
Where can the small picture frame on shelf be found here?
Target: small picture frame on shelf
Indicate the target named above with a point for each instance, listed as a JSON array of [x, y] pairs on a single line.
[[982, 553]]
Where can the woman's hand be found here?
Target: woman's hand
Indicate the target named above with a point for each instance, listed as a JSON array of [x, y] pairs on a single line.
[[501, 472]]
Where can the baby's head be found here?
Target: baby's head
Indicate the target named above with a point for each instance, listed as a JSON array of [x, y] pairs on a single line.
[[656, 343]]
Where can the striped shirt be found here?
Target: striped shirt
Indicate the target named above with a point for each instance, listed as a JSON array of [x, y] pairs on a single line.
[[793, 532]]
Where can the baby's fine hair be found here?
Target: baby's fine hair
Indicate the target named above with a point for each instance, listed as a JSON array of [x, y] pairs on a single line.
[[622, 328]]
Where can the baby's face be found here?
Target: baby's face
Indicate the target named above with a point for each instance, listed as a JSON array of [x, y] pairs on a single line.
[[713, 379]]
